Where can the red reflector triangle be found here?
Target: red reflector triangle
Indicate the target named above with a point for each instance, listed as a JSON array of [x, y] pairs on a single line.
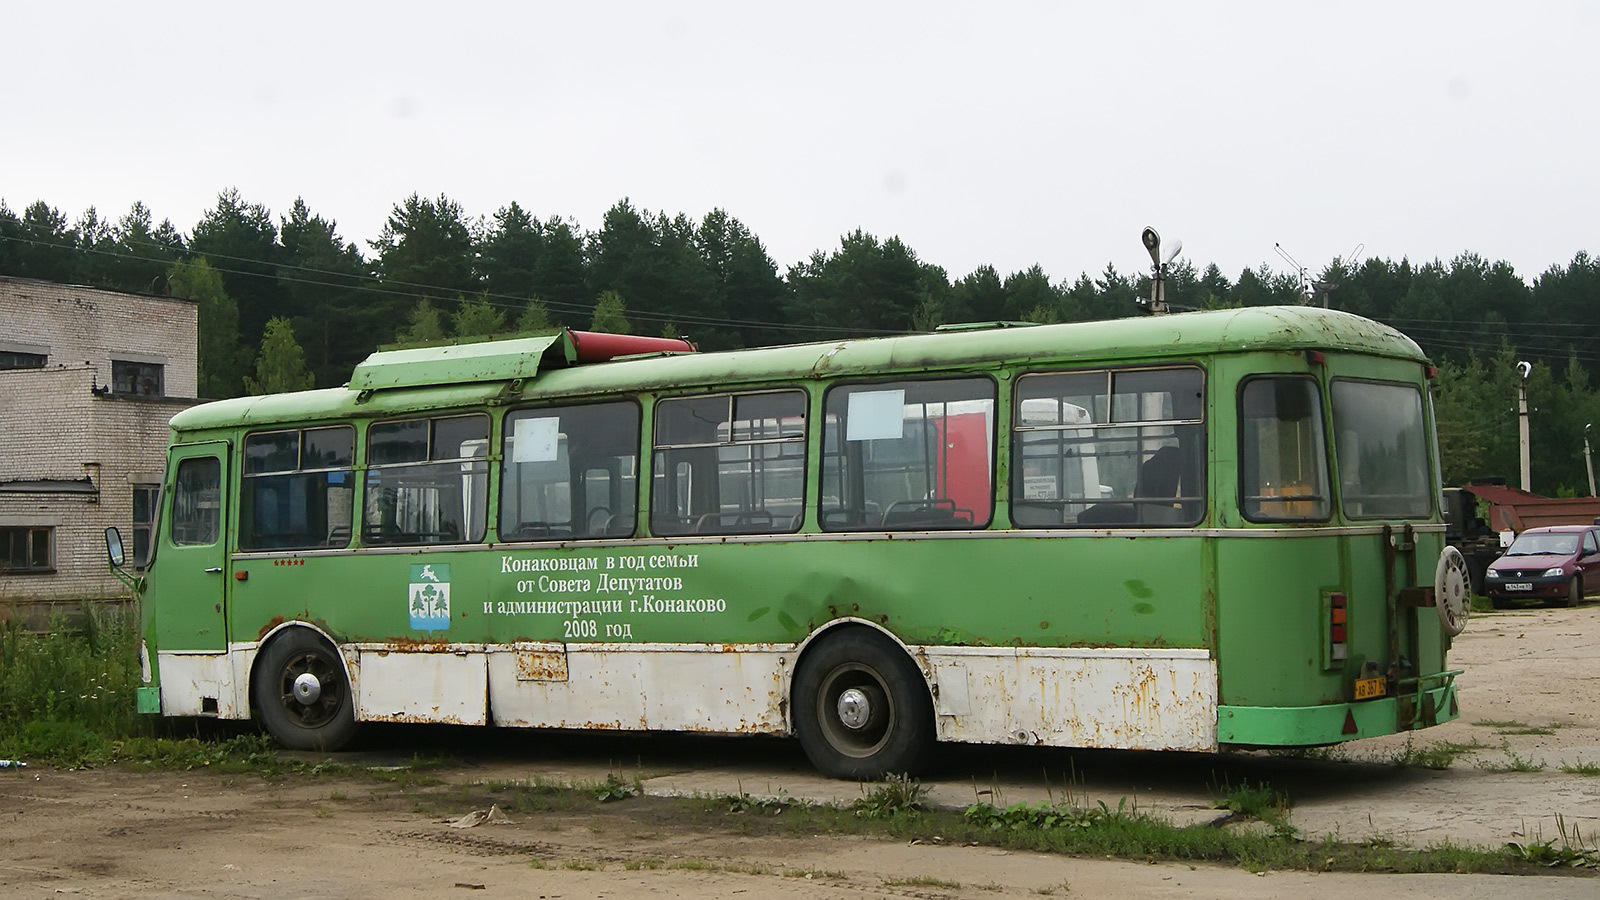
[[1349, 722]]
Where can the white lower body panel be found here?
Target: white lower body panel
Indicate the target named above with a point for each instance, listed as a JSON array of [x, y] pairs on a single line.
[[1065, 697]]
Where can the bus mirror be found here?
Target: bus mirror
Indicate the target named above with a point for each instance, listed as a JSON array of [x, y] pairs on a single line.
[[114, 548]]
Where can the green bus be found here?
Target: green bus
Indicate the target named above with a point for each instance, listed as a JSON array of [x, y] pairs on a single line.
[[1196, 532]]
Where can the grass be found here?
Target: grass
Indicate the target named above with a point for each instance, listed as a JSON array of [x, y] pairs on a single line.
[[1437, 755], [1581, 768], [67, 701]]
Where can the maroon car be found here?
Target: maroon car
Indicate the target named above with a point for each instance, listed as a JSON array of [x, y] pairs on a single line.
[[1558, 563]]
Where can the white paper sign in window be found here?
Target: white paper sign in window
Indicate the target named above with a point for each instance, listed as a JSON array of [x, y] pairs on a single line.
[[876, 416], [535, 440]]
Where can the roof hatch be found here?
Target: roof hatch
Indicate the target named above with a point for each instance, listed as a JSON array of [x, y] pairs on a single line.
[[507, 360]]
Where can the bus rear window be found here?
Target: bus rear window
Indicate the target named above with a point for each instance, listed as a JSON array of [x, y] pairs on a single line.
[[1381, 449]]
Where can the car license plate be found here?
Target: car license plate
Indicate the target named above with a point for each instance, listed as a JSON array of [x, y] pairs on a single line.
[[1520, 586], [1368, 688]]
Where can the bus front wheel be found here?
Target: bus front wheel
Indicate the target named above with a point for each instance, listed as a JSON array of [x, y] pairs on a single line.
[[861, 707], [302, 693]]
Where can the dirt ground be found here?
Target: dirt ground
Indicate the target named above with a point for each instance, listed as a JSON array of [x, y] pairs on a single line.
[[1531, 697]]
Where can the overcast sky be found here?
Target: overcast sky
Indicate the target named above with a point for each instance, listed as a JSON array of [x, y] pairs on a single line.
[[999, 133]]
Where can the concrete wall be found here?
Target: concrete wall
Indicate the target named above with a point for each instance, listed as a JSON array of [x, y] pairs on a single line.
[[61, 425]]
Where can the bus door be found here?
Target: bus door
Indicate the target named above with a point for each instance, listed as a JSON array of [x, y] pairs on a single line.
[[190, 572]]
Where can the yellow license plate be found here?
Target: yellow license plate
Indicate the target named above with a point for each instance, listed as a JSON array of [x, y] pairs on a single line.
[[1368, 688]]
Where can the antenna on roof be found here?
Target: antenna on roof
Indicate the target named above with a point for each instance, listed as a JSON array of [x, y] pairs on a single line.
[[1157, 304], [1301, 281]]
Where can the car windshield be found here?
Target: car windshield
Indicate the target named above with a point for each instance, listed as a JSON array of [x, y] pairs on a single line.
[[1547, 544]]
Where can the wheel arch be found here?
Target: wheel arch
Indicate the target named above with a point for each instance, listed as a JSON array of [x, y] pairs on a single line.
[[847, 623], [278, 632]]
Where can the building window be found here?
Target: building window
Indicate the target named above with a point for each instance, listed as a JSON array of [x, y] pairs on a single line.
[[26, 548], [138, 379], [145, 504], [10, 359]]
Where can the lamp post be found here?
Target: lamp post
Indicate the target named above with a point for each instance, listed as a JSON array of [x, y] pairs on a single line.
[[1524, 369]]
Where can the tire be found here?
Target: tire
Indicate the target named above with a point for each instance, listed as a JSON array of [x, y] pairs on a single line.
[[862, 674], [1499, 603], [322, 717], [1575, 591]]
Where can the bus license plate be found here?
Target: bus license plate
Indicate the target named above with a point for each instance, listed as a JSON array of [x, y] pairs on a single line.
[[1368, 688], [1520, 586]]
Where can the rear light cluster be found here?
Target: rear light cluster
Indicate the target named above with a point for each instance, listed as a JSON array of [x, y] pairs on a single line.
[[1337, 611]]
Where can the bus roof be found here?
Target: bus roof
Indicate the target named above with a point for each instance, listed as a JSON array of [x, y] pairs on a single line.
[[398, 381]]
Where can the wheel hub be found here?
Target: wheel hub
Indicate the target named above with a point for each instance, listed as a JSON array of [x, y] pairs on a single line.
[[307, 689], [855, 709]]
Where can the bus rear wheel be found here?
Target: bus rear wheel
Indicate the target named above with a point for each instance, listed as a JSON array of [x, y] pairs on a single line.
[[302, 693], [861, 707]]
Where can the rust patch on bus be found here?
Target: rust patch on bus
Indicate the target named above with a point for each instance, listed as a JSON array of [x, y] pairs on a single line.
[[412, 645], [272, 623], [541, 665]]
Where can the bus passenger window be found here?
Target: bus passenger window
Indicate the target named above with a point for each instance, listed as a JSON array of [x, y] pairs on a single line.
[[729, 464], [908, 455], [1283, 472], [427, 481], [569, 472], [298, 491], [1109, 448]]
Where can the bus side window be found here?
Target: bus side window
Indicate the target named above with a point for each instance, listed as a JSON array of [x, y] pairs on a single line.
[[1108, 448], [298, 489], [908, 455], [570, 472], [729, 464], [427, 481]]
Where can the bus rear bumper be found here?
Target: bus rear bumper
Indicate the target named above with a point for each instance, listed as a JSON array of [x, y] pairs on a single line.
[[1312, 726]]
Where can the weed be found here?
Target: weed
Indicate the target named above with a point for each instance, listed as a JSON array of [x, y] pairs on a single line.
[[1513, 763], [1438, 755], [1572, 853], [614, 788], [899, 795], [1581, 768], [922, 881], [745, 803], [583, 865], [1259, 802], [1500, 723]]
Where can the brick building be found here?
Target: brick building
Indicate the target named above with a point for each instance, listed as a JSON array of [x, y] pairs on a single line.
[[88, 380]]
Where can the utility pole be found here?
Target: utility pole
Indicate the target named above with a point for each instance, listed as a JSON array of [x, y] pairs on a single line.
[[1524, 369], [1588, 461]]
